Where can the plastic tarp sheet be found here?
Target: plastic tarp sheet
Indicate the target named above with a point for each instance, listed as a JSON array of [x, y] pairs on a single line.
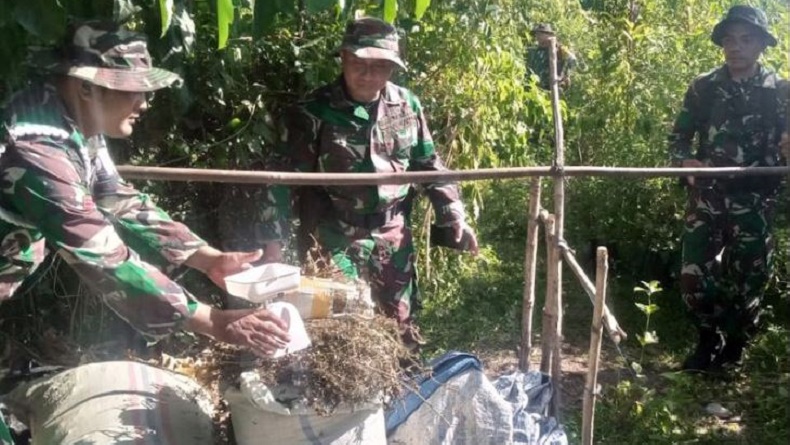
[[458, 405]]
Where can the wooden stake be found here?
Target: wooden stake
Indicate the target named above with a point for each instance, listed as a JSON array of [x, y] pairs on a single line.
[[550, 305], [591, 384], [530, 260], [559, 231], [616, 333]]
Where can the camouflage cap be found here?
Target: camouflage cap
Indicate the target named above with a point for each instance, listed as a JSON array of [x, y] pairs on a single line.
[[370, 38], [544, 28], [743, 14], [113, 57]]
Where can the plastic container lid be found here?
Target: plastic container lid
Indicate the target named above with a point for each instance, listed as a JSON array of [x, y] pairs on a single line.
[[261, 283]]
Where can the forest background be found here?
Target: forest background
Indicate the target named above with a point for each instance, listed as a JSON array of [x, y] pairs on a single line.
[[242, 61]]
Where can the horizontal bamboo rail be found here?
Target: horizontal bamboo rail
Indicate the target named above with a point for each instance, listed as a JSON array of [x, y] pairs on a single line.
[[292, 178]]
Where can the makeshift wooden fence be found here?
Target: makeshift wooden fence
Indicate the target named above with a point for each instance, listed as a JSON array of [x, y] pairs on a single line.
[[557, 248]]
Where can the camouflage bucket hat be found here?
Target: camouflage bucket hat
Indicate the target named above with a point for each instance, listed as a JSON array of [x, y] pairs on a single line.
[[743, 14], [112, 57], [370, 38], [545, 28]]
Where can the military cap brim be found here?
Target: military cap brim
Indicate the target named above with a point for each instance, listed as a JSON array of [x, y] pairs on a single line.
[[136, 80], [718, 31], [370, 52]]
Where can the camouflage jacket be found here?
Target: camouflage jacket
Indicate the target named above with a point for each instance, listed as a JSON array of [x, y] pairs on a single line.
[[737, 124], [330, 133], [58, 187], [538, 63]]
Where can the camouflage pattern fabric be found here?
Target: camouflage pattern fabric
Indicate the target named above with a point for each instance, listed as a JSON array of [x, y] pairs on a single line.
[[736, 124], [538, 63], [59, 187], [371, 38], [330, 133], [5, 434]]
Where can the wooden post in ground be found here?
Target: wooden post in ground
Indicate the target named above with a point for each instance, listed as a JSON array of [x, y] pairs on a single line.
[[591, 384], [616, 333], [559, 229], [549, 305], [530, 260]]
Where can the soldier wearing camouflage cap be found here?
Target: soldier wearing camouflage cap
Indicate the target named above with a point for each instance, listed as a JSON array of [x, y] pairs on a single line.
[[738, 115], [537, 58], [58, 185], [364, 123]]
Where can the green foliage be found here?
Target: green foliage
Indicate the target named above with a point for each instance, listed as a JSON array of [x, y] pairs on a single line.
[[647, 337]]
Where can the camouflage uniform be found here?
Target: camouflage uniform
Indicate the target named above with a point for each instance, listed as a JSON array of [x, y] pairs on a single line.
[[727, 243], [363, 228], [537, 60], [59, 188]]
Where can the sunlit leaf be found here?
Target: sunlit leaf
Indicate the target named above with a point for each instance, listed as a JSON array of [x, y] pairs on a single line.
[[166, 13], [123, 10], [420, 6], [390, 10], [224, 20]]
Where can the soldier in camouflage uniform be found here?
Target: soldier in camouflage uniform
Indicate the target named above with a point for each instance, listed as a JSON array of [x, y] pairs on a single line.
[[59, 188], [738, 113], [538, 58], [363, 123]]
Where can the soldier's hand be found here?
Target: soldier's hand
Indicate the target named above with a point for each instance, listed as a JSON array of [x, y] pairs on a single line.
[[217, 264], [784, 146], [691, 163], [462, 231], [257, 329]]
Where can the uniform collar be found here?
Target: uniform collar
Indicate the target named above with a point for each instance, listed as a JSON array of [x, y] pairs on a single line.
[[338, 98], [764, 78]]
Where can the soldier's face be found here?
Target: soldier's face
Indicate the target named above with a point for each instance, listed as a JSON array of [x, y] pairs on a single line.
[[543, 38], [742, 46], [365, 78], [119, 111]]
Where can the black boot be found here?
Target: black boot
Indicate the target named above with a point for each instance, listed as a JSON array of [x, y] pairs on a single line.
[[708, 347], [731, 354]]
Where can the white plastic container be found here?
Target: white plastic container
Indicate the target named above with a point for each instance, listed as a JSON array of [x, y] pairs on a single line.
[[261, 283]]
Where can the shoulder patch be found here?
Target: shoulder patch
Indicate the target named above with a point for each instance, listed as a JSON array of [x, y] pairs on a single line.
[[23, 130]]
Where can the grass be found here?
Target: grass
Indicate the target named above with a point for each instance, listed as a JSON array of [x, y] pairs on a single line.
[[476, 306]]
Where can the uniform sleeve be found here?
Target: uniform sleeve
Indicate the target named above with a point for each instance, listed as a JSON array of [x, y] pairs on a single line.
[[681, 138], [297, 152], [569, 61], [142, 225], [44, 187], [444, 196]]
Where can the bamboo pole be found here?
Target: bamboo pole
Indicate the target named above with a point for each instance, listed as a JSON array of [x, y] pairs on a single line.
[[530, 260], [549, 305], [591, 384], [292, 178], [613, 329], [559, 230]]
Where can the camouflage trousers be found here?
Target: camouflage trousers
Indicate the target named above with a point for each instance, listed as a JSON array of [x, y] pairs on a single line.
[[384, 256], [727, 259]]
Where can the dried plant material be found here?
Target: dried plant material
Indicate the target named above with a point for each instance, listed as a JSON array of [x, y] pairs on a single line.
[[353, 361]]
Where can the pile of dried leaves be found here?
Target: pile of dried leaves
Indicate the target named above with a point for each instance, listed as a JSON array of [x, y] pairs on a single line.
[[353, 360]]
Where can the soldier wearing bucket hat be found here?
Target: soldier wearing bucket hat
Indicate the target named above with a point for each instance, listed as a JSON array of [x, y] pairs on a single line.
[[537, 58], [363, 123], [59, 188], [737, 114]]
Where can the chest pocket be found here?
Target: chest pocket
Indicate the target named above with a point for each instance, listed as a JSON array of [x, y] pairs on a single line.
[[342, 148]]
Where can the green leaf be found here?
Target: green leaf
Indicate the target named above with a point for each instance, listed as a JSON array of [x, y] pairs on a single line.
[[225, 19], [420, 6], [123, 10], [166, 12], [265, 14], [314, 6], [41, 18], [390, 10]]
